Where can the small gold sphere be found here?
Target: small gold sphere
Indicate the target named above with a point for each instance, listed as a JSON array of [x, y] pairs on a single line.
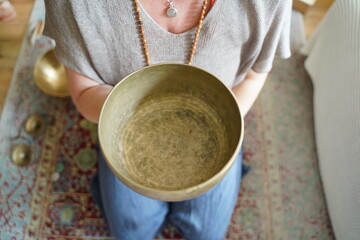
[[22, 155], [50, 75], [35, 124]]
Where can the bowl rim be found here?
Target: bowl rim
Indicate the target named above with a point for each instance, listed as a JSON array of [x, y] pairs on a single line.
[[181, 194]]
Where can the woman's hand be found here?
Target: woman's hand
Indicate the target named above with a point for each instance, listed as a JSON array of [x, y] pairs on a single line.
[[88, 95], [248, 90]]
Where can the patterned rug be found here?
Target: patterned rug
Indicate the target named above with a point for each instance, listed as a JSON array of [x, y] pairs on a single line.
[[281, 198]]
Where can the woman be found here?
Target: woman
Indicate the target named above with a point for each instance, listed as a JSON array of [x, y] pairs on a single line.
[[101, 42]]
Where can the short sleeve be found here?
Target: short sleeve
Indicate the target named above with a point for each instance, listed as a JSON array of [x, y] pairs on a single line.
[[60, 25], [276, 40]]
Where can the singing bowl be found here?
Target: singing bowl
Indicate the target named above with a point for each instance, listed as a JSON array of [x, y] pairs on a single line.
[[50, 76], [170, 131]]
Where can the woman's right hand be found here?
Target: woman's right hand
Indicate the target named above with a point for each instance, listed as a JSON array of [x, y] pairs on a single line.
[[88, 95]]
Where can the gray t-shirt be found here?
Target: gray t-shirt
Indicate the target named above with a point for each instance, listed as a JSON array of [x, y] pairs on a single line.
[[100, 39]]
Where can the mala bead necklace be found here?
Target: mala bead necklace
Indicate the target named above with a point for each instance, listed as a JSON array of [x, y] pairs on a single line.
[[144, 42]]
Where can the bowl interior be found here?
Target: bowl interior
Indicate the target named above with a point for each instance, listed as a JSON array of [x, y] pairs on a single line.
[[169, 127]]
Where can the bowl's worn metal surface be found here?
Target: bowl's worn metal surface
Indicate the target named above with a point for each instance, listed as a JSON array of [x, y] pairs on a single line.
[[170, 131]]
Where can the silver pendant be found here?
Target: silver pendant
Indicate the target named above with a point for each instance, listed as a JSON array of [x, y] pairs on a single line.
[[171, 12]]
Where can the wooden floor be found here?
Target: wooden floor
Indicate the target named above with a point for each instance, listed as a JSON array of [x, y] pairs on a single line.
[[11, 35], [314, 14]]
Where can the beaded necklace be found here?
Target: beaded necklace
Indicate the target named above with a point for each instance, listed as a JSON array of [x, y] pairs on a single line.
[[144, 42]]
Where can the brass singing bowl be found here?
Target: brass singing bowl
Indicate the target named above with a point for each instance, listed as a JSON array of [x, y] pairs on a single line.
[[170, 131], [22, 155], [35, 124], [50, 76]]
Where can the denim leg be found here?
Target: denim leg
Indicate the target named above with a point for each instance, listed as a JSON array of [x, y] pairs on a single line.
[[129, 215], [207, 216]]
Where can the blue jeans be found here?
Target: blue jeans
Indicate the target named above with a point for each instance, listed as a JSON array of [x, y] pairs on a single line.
[[132, 216]]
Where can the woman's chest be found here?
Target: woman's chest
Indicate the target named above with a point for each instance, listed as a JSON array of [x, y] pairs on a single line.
[[176, 16], [218, 49]]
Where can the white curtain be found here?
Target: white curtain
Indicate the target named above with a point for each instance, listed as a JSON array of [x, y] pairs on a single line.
[[333, 63]]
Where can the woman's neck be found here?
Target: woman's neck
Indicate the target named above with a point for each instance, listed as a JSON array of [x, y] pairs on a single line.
[[188, 13]]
